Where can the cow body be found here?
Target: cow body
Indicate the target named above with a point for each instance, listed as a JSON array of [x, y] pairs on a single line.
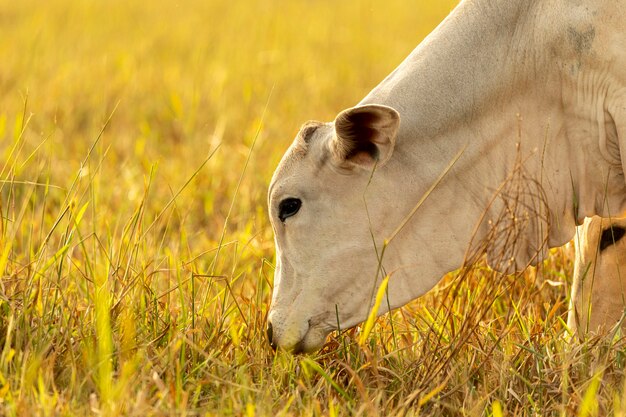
[[515, 110]]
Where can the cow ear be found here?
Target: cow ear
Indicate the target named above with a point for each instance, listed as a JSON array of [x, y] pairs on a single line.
[[365, 136]]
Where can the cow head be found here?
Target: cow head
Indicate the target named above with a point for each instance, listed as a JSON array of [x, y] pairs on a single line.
[[326, 235]]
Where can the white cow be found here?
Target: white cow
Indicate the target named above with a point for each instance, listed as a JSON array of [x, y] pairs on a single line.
[[599, 288], [501, 131]]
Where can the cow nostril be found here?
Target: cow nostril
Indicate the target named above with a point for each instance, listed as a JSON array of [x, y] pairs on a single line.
[[270, 335]]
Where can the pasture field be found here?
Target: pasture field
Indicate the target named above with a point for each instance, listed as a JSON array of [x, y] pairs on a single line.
[[137, 140]]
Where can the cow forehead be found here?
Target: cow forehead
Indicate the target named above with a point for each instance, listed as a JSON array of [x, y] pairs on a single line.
[[306, 151]]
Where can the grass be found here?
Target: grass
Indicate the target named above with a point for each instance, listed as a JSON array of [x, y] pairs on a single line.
[[136, 144]]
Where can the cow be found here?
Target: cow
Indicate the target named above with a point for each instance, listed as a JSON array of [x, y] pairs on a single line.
[[598, 296], [503, 130]]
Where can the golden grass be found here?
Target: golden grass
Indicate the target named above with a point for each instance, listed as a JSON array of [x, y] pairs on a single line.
[[137, 140]]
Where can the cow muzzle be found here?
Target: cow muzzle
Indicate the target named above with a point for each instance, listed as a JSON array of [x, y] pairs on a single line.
[[295, 337]]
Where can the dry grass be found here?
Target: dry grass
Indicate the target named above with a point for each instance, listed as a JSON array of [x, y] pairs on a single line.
[[136, 143]]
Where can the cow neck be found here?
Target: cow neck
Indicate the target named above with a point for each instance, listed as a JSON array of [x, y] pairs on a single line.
[[467, 86]]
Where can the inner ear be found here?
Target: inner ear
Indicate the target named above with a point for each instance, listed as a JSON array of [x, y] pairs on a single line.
[[363, 154], [365, 135], [610, 236]]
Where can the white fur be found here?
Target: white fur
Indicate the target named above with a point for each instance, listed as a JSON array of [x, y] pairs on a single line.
[[599, 285], [533, 87]]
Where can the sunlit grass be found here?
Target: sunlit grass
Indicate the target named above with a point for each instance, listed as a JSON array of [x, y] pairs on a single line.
[[135, 249]]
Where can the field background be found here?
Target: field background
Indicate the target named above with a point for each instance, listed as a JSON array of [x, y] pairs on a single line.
[[137, 140]]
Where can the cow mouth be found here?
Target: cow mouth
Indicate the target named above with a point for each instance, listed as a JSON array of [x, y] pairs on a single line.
[[314, 338]]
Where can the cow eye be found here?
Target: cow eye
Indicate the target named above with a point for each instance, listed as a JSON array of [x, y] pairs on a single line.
[[611, 235], [288, 207]]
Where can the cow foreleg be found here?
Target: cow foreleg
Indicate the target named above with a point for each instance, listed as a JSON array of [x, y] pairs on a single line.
[[598, 297]]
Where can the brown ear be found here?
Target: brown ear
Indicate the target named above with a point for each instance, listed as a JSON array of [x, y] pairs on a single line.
[[365, 135]]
